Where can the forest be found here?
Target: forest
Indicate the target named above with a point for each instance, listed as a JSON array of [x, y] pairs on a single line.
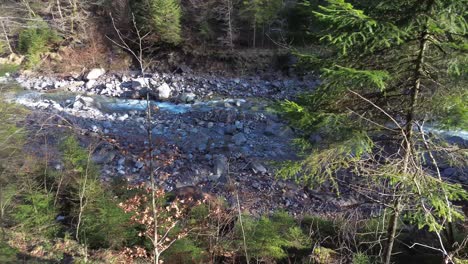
[[234, 131]]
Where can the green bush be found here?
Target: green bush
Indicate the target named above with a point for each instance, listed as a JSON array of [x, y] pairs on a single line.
[[77, 159], [361, 258], [8, 68], [185, 251], [105, 225], [12, 138], [36, 214], [34, 40], [268, 238], [322, 228], [3, 47], [7, 253]]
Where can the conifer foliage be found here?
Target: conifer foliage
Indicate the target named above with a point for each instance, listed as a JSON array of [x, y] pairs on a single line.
[[398, 65], [160, 18]]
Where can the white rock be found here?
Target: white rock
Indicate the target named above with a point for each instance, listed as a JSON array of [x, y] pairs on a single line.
[[164, 91], [95, 73], [188, 97], [123, 117], [88, 101], [258, 168], [90, 84]]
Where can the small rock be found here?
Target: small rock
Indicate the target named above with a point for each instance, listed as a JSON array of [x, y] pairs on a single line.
[[121, 161], [164, 91], [271, 130], [239, 125], [258, 168], [122, 117], [139, 165], [230, 130], [107, 124]]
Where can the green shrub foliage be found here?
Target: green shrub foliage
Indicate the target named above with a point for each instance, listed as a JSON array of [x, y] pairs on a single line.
[[268, 238], [34, 40], [36, 214], [397, 65], [103, 223]]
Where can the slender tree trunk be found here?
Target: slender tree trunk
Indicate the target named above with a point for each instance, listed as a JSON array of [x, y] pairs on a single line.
[[254, 32], [82, 197], [408, 132], [6, 37], [31, 12], [263, 36], [229, 21], [242, 229], [153, 183]]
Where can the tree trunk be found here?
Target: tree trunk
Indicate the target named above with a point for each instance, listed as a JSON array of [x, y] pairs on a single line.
[[7, 40], [254, 32], [263, 36], [408, 132]]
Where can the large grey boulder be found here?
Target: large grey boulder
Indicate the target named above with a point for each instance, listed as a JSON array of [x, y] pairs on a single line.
[[95, 73], [220, 166], [103, 156]]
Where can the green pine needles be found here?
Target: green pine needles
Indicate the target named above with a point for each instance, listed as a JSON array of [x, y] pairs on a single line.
[[160, 18], [397, 66], [34, 40]]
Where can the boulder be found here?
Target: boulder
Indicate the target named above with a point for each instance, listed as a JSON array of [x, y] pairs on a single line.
[[141, 82], [449, 172], [456, 140], [95, 73], [271, 129], [188, 97], [275, 129], [239, 139], [315, 139], [78, 105], [139, 165], [220, 166], [86, 101], [164, 91], [103, 156]]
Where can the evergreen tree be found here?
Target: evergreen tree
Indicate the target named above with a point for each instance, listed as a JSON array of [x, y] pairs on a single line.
[[160, 18], [260, 13], [398, 65]]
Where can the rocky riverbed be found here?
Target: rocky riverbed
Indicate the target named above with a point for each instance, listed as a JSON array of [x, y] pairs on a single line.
[[219, 134]]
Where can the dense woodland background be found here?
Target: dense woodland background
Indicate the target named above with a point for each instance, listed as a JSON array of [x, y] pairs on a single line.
[[388, 70]]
